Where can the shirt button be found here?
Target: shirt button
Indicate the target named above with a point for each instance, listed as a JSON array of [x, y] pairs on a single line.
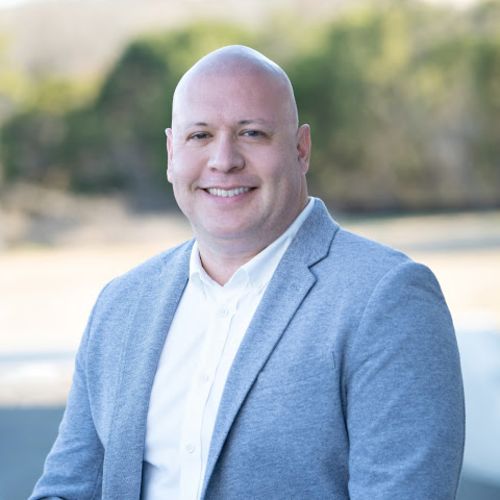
[[190, 447], [205, 377], [223, 312]]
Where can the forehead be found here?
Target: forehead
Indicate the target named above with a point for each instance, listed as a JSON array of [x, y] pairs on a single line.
[[234, 95]]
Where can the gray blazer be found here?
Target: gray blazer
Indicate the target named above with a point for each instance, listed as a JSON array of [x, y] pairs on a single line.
[[347, 383]]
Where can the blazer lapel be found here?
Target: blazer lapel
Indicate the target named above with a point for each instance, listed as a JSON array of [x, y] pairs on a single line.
[[290, 284], [146, 336]]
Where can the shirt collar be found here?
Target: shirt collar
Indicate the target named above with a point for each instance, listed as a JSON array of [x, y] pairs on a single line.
[[258, 271]]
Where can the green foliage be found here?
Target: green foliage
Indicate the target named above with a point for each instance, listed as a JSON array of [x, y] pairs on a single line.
[[33, 141], [117, 140], [396, 117], [403, 100]]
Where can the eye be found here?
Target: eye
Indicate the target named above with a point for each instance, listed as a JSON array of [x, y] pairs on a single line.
[[198, 136], [253, 133]]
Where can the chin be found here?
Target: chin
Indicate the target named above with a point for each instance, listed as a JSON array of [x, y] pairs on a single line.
[[236, 232]]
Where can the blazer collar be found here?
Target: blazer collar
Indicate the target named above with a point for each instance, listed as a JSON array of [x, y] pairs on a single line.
[[291, 282], [157, 300]]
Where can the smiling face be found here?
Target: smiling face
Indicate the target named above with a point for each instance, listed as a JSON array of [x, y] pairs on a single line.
[[237, 159]]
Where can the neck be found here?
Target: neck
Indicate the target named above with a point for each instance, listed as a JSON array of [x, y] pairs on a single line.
[[221, 258], [220, 265]]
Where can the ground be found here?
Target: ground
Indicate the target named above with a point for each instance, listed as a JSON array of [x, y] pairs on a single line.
[[48, 286]]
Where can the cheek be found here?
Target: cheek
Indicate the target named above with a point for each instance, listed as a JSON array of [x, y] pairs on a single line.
[[183, 171], [284, 171]]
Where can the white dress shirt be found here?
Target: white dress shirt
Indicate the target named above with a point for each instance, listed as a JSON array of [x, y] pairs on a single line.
[[206, 332]]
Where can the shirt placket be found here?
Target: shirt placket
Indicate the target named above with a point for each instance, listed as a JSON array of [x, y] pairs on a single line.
[[192, 442]]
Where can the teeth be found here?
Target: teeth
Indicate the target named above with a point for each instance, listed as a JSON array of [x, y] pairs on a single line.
[[227, 193]]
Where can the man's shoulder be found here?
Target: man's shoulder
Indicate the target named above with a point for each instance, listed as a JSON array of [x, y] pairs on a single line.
[[359, 269], [335, 251], [321, 230], [164, 264], [363, 250], [361, 262]]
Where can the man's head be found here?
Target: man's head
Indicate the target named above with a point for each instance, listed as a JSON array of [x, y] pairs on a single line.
[[237, 157]]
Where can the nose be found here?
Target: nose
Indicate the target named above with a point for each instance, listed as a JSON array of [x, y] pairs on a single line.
[[225, 156]]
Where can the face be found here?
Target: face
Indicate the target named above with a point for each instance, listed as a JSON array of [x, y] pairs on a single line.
[[237, 160]]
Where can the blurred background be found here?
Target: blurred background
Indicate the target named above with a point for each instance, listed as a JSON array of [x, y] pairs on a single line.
[[403, 98]]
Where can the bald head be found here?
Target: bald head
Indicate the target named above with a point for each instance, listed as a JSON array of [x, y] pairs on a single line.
[[237, 61], [237, 158]]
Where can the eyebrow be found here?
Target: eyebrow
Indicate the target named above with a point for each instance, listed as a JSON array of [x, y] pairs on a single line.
[[260, 121]]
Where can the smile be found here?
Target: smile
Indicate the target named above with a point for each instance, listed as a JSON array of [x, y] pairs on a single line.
[[227, 193]]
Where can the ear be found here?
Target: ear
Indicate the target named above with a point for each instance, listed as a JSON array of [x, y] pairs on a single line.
[[170, 153], [304, 146]]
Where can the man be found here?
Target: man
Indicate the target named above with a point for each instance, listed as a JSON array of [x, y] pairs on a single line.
[[277, 355]]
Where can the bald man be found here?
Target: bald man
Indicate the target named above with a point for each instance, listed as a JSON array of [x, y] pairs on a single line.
[[275, 355]]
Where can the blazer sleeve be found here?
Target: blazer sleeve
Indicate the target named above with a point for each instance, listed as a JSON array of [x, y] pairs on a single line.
[[404, 395], [73, 468]]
